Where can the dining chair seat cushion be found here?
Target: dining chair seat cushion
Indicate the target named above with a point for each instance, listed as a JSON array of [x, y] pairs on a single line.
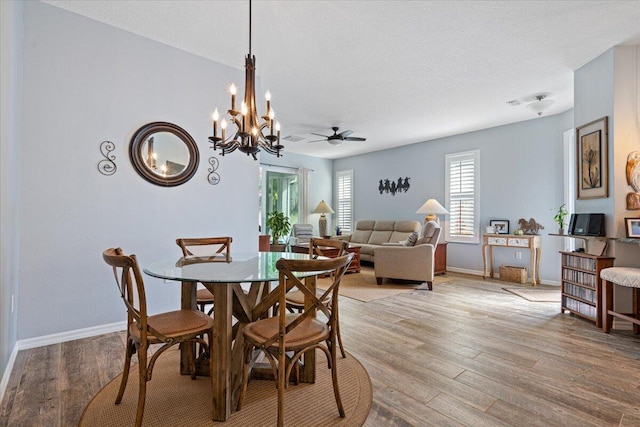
[[308, 332], [204, 296], [297, 297], [175, 323]]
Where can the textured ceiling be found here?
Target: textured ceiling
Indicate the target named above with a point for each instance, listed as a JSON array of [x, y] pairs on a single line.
[[395, 72]]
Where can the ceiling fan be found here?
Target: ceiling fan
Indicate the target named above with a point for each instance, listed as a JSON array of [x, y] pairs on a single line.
[[337, 138]]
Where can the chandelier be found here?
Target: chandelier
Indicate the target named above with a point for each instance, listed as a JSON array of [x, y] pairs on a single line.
[[250, 135]]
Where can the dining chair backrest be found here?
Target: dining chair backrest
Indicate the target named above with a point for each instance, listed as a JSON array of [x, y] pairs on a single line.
[[131, 286], [204, 246], [317, 244], [288, 280]]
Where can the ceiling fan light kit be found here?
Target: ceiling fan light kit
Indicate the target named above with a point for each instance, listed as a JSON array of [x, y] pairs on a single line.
[[251, 136], [337, 138]]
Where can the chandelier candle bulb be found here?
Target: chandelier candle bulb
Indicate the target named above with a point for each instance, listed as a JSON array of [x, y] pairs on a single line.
[[267, 97], [215, 116], [233, 96], [223, 125]]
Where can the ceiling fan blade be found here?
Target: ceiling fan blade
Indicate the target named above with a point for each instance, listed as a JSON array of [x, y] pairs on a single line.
[[345, 133], [317, 134], [355, 139], [316, 140]]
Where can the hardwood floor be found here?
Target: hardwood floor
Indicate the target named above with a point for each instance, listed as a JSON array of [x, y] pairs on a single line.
[[465, 354]]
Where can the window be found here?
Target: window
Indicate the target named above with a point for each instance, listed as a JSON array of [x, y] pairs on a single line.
[[279, 191], [462, 196], [344, 190]]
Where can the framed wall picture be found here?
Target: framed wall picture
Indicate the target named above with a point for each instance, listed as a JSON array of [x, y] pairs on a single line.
[[592, 156], [501, 225], [632, 225]]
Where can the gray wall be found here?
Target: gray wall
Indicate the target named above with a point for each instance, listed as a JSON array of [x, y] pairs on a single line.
[[11, 32], [521, 176]]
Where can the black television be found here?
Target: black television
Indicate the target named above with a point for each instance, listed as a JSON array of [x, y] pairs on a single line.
[[587, 224]]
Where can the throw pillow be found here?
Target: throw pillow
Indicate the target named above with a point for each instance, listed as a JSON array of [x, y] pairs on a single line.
[[411, 239]]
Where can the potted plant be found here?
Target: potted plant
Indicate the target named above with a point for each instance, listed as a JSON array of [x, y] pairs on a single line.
[[279, 226], [559, 217]]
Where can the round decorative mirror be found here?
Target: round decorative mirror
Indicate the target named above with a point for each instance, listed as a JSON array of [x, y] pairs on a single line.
[[164, 154]]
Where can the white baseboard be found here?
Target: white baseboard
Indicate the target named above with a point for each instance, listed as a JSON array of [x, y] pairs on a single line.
[[7, 372], [55, 339], [71, 335]]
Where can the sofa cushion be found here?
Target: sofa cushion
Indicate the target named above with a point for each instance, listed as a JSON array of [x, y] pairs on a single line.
[[384, 226], [407, 226], [428, 229], [380, 237], [361, 236], [365, 224]]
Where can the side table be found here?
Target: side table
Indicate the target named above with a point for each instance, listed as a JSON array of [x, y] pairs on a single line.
[[440, 262]]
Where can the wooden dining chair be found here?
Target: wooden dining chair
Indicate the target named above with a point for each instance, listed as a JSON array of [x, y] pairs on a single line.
[[205, 246], [295, 299], [285, 337], [170, 328]]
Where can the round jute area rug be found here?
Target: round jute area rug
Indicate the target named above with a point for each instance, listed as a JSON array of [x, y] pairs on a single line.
[[177, 400]]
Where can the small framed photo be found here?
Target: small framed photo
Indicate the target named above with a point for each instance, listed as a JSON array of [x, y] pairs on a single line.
[[501, 225], [632, 226]]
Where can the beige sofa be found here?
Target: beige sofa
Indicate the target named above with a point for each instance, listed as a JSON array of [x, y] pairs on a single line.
[[370, 234], [414, 263]]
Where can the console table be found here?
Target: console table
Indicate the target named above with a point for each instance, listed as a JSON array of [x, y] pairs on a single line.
[[526, 241]]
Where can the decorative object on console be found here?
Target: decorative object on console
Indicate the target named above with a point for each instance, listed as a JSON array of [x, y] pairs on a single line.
[[501, 225], [593, 175], [633, 179], [432, 208], [249, 137], [107, 166], [559, 217], [213, 177], [632, 226], [323, 208], [530, 227], [388, 186], [518, 232]]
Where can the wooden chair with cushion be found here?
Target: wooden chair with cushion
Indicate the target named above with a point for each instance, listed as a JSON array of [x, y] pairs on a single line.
[[296, 333], [295, 299], [204, 246], [171, 328]]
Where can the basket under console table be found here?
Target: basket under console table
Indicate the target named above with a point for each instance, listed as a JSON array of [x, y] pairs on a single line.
[[525, 241]]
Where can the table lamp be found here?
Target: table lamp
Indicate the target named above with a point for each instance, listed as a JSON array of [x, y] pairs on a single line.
[[431, 207], [323, 208]]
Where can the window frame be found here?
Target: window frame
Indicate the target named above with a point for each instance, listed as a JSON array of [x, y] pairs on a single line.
[[451, 158], [340, 222]]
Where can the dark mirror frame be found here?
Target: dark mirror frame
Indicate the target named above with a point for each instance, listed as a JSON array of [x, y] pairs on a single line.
[[137, 157]]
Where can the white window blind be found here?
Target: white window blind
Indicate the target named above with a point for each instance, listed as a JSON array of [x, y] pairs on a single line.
[[344, 190], [462, 195]]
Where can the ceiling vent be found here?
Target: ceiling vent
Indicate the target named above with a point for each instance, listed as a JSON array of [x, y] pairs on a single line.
[[293, 138], [514, 102]]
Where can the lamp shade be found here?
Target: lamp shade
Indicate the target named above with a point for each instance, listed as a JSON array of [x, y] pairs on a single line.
[[431, 207], [323, 208]]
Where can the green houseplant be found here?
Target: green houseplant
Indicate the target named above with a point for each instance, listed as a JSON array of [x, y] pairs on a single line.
[[559, 217], [279, 226]]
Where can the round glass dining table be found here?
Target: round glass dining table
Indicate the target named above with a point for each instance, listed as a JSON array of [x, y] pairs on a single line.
[[233, 307], [243, 267]]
